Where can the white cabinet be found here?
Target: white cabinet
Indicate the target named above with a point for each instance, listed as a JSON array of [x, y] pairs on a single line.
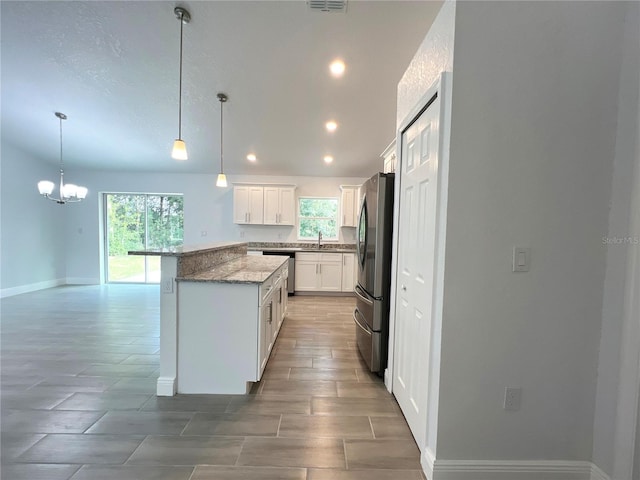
[[306, 272], [279, 205], [349, 204], [248, 204], [349, 275], [318, 272], [389, 158], [216, 355]]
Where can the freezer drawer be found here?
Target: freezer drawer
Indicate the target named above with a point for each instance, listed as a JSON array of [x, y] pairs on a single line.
[[369, 344]]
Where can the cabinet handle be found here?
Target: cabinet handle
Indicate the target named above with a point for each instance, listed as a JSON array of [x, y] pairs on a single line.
[[344, 260], [344, 219], [246, 220], [320, 269], [249, 215], [270, 312]]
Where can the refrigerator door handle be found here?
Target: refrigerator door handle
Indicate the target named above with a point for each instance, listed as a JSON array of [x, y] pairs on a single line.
[[362, 297], [363, 326]]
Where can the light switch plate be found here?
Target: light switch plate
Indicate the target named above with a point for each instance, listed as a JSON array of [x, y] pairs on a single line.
[[521, 259]]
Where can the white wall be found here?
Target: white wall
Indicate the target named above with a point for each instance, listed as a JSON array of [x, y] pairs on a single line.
[[32, 243], [618, 254], [533, 137], [207, 209]]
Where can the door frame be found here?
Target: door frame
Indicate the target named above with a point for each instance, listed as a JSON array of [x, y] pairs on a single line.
[[442, 88]]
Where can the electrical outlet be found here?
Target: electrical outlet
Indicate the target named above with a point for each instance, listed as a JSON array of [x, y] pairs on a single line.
[[512, 398], [241, 233], [167, 285]]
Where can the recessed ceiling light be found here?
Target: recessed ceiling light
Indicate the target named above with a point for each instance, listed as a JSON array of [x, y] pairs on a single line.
[[251, 157], [328, 159], [337, 68], [331, 126]]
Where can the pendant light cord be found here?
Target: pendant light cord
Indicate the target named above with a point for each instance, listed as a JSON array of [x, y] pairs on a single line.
[[180, 93], [221, 138], [61, 161]]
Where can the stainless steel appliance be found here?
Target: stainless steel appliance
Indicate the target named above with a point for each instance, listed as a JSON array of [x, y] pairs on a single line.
[[375, 226], [291, 283]]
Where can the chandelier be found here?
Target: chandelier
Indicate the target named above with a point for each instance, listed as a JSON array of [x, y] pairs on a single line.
[[68, 192]]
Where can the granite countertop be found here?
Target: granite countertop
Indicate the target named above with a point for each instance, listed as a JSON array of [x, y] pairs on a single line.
[[185, 250], [301, 247], [244, 269]]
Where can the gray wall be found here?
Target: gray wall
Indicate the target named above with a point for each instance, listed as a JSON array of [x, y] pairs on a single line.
[[618, 254], [533, 137], [33, 229]]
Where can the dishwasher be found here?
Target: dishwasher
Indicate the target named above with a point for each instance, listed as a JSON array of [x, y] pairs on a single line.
[[292, 270]]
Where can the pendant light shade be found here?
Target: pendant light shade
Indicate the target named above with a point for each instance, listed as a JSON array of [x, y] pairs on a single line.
[[69, 192], [222, 178], [179, 151]]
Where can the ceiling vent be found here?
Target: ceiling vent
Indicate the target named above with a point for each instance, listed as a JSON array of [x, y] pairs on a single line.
[[328, 5]]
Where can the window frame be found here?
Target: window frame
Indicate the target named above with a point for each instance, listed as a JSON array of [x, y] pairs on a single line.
[[299, 217]]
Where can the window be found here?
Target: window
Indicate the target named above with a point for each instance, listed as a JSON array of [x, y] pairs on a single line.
[[317, 215], [140, 222]]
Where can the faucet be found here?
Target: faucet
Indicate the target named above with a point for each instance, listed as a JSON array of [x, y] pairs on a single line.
[[319, 238]]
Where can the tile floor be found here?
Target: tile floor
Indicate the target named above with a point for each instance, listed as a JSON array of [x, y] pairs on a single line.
[[79, 366]]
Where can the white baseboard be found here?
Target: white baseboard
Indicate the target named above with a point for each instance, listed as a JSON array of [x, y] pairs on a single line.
[[31, 287], [166, 386], [436, 469], [82, 281]]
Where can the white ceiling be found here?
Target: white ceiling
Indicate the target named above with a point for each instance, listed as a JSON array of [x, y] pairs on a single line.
[[112, 67]]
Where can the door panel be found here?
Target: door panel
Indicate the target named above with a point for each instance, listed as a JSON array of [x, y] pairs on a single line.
[[416, 257]]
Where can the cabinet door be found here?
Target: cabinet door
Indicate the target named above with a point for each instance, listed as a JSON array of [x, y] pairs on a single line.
[[348, 207], [264, 336], [306, 276], [331, 277], [240, 204], [348, 270], [256, 205], [271, 205], [287, 214]]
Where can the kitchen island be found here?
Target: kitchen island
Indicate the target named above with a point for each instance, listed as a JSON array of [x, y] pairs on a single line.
[[220, 312]]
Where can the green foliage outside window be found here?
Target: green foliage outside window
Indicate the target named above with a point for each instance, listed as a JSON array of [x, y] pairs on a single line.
[[318, 214], [136, 222]]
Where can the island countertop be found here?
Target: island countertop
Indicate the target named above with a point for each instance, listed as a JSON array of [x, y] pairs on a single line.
[[244, 269], [184, 250]]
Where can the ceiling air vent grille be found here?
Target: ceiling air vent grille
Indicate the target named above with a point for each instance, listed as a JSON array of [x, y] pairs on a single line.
[[328, 5]]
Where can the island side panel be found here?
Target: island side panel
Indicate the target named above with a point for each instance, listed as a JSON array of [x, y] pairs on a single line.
[[166, 386], [217, 337]]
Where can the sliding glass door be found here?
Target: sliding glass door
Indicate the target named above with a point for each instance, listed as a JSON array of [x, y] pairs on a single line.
[[139, 222]]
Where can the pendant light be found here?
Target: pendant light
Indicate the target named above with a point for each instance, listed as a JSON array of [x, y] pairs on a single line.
[[222, 178], [179, 147], [69, 192]]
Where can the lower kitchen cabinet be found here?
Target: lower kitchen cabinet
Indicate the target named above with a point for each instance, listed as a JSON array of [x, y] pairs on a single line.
[[324, 272], [226, 333], [349, 274]]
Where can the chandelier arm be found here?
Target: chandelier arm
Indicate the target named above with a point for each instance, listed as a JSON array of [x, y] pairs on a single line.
[[221, 139]]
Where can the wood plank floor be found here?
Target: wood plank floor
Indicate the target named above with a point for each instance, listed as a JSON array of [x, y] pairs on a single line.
[[79, 367]]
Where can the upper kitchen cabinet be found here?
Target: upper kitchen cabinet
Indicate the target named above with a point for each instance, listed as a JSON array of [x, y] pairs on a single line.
[[389, 158], [248, 204], [349, 204], [279, 205]]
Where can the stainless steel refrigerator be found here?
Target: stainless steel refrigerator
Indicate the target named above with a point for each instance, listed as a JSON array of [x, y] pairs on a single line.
[[375, 226]]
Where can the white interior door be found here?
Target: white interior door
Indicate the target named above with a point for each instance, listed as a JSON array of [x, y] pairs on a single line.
[[416, 259]]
